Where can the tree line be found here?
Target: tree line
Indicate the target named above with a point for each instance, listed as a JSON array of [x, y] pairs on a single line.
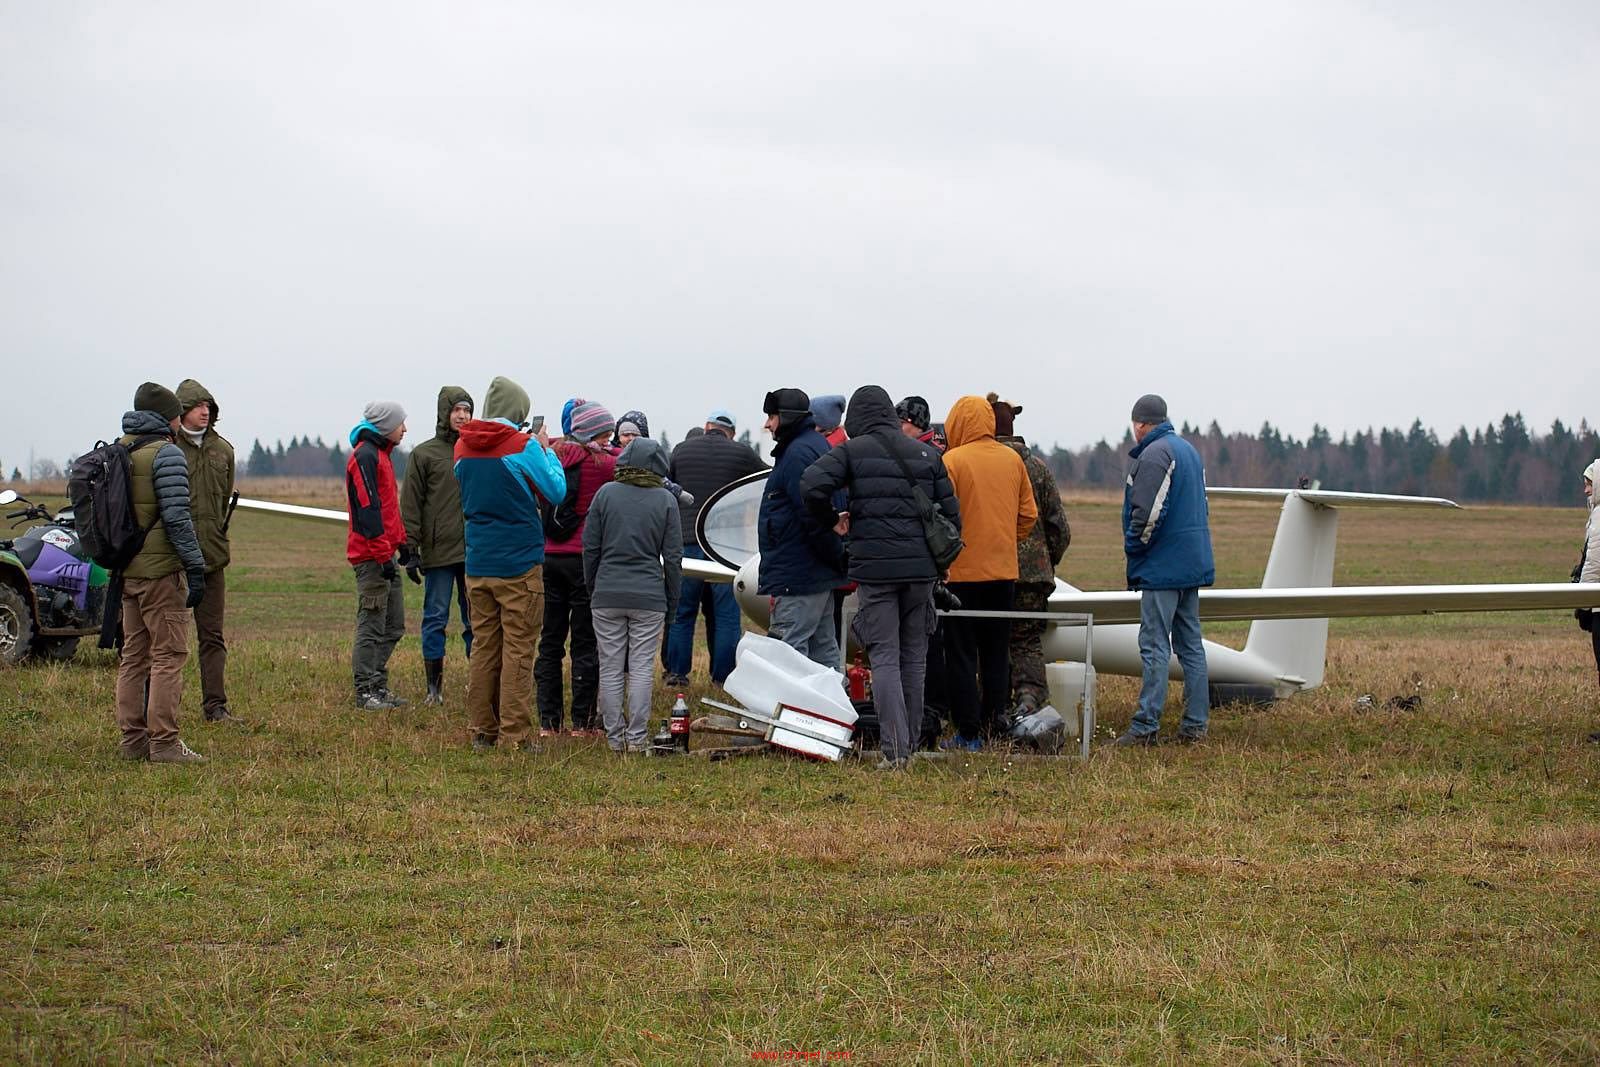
[[1498, 463], [1502, 462]]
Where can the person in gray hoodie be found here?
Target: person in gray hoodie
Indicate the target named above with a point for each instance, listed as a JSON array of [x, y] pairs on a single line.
[[632, 566]]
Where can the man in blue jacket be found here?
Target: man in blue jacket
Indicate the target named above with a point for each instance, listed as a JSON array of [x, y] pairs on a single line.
[[1167, 538], [802, 561]]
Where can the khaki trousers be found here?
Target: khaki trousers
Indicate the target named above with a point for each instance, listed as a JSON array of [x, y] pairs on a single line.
[[507, 616], [213, 648], [155, 644]]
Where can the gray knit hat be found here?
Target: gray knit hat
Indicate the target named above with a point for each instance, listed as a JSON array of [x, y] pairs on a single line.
[[1150, 409], [387, 415]]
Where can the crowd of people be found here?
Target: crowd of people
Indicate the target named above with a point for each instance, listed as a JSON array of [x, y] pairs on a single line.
[[570, 549]]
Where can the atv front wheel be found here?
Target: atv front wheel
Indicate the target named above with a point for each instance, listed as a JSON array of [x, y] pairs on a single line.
[[16, 626]]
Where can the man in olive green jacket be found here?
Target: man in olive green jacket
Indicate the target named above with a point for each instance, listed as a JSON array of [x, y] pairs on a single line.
[[155, 603], [436, 532], [210, 458]]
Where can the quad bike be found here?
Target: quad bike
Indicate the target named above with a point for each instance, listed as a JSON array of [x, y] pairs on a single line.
[[51, 593]]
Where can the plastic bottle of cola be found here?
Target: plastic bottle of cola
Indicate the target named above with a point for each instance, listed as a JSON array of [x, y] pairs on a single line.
[[678, 725]]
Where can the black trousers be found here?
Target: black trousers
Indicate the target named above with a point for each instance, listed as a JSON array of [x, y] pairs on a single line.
[[977, 657], [566, 610]]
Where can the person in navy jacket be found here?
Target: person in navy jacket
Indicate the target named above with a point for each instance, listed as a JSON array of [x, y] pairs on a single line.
[[1166, 536]]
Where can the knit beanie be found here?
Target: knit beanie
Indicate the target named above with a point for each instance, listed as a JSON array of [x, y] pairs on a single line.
[[566, 415], [152, 396], [633, 422], [915, 410], [1150, 409], [828, 411], [387, 415], [590, 420]]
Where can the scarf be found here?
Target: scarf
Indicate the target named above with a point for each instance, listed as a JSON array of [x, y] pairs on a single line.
[[644, 479]]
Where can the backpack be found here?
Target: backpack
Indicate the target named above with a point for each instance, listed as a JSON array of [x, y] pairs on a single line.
[[562, 520], [100, 486]]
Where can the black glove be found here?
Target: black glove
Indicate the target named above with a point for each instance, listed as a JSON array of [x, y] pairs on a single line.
[[389, 572], [197, 588], [411, 560]]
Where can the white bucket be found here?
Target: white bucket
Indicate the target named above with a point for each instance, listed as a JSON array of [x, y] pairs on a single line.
[[1066, 682]]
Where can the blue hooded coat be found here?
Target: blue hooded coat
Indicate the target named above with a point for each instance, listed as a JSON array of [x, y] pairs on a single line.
[[1166, 531]]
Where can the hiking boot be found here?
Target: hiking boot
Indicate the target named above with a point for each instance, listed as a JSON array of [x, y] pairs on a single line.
[[887, 764], [674, 681], [391, 698], [135, 753], [177, 752], [222, 714], [482, 743], [433, 670], [371, 702], [1133, 740], [959, 743], [1594, 738], [1191, 737]]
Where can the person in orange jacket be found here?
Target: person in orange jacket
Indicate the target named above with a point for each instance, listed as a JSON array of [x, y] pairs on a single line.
[[997, 511]]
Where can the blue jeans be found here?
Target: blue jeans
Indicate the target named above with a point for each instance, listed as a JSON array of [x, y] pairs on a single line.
[[725, 609], [1169, 623], [804, 622], [437, 583]]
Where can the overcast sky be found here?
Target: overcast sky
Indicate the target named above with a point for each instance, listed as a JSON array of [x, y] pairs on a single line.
[[1347, 213]]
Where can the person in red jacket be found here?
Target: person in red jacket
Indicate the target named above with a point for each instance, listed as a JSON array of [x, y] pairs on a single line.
[[376, 536], [588, 463]]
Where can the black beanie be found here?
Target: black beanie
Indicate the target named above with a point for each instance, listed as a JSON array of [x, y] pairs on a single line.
[[157, 398], [1150, 409]]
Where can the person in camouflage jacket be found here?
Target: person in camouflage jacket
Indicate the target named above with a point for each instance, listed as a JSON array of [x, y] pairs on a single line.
[[1038, 556]]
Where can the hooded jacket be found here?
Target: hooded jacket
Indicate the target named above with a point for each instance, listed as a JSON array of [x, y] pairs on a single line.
[[1591, 532], [589, 469], [632, 548], [704, 464], [499, 468], [430, 500], [375, 528], [1040, 553], [211, 473], [886, 543], [990, 480], [160, 491], [1166, 531], [799, 555]]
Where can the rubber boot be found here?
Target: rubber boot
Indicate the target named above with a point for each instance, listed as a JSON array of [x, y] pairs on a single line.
[[434, 669]]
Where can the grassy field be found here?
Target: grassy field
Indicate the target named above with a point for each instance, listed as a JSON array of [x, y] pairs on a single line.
[[1320, 883]]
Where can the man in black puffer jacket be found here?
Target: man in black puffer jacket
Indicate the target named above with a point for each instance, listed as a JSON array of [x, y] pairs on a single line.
[[889, 557]]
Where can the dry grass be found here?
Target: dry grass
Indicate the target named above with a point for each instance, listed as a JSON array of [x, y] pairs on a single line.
[[1320, 883]]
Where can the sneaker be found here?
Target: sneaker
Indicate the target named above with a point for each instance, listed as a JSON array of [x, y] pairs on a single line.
[[134, 753], [177, 752], [528, 744], [392, 699], [371, 702], [545, 731], [1133, 740], [223, 715], [887, 764], [962, 744], [674, 681], [482, 743], [1191, 737], [1594, 738]]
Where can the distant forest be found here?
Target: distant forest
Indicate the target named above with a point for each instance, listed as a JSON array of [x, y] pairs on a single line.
[[1503, 462]]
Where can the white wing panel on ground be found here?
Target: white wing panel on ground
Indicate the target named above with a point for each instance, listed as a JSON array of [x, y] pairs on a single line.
[[1217, 605]]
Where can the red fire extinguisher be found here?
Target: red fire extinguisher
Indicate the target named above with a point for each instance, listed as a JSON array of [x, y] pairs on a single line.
[[859, 678]]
